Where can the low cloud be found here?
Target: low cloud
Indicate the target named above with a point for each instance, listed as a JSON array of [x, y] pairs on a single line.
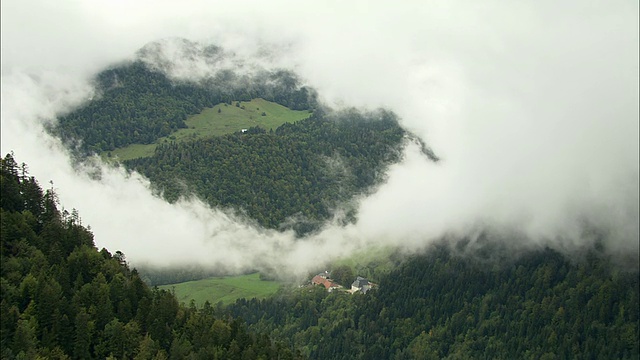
[[532, 108]]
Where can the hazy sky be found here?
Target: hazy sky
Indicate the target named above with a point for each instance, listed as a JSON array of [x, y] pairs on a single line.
[[532, 106]]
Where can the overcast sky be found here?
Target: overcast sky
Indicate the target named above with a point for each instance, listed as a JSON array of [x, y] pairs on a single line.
[[532, 106]]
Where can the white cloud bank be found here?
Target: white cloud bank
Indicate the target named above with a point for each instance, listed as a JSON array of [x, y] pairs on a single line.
[[532, 106]]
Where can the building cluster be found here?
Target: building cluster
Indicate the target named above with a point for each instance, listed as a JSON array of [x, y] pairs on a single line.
[[359, 284]]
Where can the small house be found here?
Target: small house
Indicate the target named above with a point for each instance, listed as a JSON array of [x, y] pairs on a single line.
[[323, 279], [361, 284]]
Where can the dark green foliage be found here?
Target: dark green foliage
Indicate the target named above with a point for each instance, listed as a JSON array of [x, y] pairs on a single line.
[[293, 177], [137, 105], [440, 305], [62, 299], [343, 275], [302, 170]]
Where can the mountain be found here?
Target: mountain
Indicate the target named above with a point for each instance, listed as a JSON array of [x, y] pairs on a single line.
[[61, 298], [456, 299], [135, 104], [442, 304], [296, 177]]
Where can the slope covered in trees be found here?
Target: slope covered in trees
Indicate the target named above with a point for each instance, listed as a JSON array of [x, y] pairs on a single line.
[[302, 170], [135, 104], [439, 305], [294, 177], [61, 298]]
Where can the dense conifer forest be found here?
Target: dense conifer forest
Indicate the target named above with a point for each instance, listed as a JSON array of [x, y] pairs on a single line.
[[135, 104], [61, 298], [303, 170], [440, 305], [293, 177]]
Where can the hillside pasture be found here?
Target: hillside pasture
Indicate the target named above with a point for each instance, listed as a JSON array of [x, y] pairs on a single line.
[[219, 120], [226, 289]]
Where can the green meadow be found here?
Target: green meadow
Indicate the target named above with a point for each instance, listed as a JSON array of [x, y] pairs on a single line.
[[220, 120], [225, 289]]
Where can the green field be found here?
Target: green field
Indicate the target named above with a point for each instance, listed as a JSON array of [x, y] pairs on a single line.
[[225, 289], [220, 120]]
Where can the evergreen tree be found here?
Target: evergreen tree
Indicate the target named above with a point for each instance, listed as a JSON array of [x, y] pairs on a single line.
[[105, 310]]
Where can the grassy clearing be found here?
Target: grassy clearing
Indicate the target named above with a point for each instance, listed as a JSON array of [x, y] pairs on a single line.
[[133, 151], [224, 119], [220, 120], [225, 289]]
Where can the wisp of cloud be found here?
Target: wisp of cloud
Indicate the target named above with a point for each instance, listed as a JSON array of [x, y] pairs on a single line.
[[531, 106]]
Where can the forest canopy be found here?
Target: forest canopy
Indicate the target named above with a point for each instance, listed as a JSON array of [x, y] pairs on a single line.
[[443, 305], [135, 104], [295, 177], [61, 298], [302, 171]]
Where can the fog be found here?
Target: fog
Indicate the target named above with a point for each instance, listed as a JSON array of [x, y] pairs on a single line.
[[531, 106]]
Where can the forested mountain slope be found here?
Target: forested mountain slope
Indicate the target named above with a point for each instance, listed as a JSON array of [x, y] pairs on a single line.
[[136, 104], [440, 305], [294, 177], [302, 170], [61, 298]]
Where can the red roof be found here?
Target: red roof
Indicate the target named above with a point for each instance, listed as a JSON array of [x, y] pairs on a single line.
[[319, 280]]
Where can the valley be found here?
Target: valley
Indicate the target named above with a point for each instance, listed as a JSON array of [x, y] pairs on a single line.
[[250, 170]]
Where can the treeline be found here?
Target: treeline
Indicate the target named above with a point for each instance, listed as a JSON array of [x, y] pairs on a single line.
[[163, 275], [439, 305], [61, 298], [301, 171], [137, 105]]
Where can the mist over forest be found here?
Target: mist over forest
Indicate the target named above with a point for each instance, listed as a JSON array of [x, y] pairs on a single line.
[[453, 147]]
